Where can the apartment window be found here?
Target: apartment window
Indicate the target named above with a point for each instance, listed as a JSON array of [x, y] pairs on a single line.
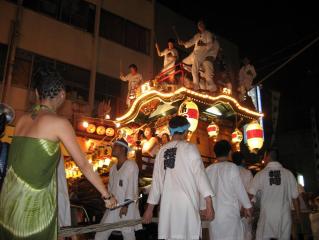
[[78, 13], [77, 80], [125, 32], [108, 88], [114, 33], [3, 57], [136, 37], [48, 7]]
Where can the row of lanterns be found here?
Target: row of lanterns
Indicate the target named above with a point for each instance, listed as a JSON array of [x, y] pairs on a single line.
[[253, 132], [99, 130]]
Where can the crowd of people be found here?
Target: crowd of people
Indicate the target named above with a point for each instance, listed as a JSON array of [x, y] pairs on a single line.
[[225, 193]]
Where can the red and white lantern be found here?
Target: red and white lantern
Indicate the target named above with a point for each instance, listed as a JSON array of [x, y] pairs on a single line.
[[189, 110], [255, 136], [213, 130]]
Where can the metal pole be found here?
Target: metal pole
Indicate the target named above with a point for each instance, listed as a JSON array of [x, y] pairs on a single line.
[[6, 62], [94, 54], [5, 97]]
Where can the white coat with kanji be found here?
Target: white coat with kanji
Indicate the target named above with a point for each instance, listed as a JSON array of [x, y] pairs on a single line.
[[179, 179], [230, 196], [277, 187]]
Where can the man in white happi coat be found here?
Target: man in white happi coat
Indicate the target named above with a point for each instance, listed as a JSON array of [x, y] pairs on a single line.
[[123, 184], [246, 177], [231, 195], [205, 46], [135, 80], [179, 180], [278, 188], [170, 55], [247, 74]]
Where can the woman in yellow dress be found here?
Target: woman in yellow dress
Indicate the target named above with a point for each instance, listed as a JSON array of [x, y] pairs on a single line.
[[28, 202]]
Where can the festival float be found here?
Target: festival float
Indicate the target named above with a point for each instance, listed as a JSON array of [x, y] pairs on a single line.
[[212, 117]]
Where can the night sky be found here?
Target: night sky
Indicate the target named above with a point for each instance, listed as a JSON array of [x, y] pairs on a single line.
[[269, 33]]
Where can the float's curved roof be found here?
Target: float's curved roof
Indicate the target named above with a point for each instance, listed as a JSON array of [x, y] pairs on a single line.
[[183, 93]]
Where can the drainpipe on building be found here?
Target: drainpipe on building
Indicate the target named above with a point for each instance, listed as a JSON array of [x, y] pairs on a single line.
[[12, 47], [95, 54]]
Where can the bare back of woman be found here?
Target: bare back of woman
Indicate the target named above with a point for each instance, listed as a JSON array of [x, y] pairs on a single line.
[[39, 126], [32, 165]]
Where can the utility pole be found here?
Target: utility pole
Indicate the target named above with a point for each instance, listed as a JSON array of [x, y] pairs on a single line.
[[95, 54], [11, 54]]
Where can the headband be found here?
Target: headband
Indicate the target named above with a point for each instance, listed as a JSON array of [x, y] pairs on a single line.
[[181, 129], [123, 145]]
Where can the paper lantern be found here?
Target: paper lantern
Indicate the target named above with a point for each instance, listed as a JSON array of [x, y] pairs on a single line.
[[255, 136], [100, 130], [109, 132], [213, 130], [91, 128], [189, 110], [236, 136]]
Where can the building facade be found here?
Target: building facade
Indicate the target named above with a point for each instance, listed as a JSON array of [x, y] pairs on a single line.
[[89, 42]]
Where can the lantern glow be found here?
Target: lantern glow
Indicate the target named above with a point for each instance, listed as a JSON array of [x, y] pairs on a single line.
[[189, 110], [85, 124], [255, 136], [213, 130]]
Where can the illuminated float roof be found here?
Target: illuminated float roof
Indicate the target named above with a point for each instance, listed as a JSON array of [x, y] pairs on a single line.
[[220, 105]]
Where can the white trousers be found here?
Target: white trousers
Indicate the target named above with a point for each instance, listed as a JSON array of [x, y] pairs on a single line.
[[198, 60], [208, 74], [106, 234]]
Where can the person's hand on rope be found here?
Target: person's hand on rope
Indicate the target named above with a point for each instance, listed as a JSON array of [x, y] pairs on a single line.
[[148, 214], [110, 201], [123, 211], [209, 213], [248, 212]]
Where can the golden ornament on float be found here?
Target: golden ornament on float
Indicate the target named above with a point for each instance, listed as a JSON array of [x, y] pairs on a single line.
[[189, 110], [213, 130], [91, 128], [145, 87], [255, 136], [236, 136]]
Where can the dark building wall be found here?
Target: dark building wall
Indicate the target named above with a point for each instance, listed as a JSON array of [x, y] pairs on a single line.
[[296, 153]]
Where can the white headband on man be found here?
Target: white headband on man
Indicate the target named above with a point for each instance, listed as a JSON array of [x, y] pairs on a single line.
[[122, 144]]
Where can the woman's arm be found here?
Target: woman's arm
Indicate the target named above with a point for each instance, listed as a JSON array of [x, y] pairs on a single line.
[[67, 136], [149, 146]]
